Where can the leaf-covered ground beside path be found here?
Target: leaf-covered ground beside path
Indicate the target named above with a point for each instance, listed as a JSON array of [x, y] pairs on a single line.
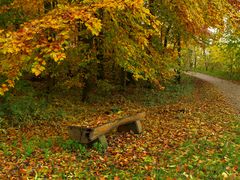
[[190, 132]]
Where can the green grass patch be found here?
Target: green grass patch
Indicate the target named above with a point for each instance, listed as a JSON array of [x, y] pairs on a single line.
[[72, 146], [204, 160], [221, 74]]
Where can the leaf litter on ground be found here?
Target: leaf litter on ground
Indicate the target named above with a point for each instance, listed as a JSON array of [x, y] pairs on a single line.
[[179, 137]]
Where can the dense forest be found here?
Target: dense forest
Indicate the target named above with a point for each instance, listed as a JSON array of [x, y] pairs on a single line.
[[88, 62], [83, 43]]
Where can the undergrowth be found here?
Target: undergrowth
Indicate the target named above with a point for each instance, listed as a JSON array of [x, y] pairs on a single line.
[[26, 105], [172, 93]]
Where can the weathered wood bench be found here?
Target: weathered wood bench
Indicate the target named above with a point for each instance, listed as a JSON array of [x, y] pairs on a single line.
[[86, 135]]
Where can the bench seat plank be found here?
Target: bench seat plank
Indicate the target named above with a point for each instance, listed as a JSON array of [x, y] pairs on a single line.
[[86, 135]]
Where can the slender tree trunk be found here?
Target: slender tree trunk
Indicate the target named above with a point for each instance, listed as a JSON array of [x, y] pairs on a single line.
[[113, 72], [231, 66], [205, 58], [100, 52], [165, 43], [161, 35], [178, 77], [101, 75], [123, 78], [195, 58], [89, 82]]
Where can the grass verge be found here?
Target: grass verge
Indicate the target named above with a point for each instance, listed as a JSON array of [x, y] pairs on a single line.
[[221, 74]]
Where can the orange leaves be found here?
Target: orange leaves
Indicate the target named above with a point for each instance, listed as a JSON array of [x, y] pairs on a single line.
[[10, 83], [94, 25], [135, 3], [5, 86], [143, 41], [29, 7], [36, 71], [58, 56], [3, 89], [139, 2], [38, 66], [85, 15], [48, 37], [195, 15]]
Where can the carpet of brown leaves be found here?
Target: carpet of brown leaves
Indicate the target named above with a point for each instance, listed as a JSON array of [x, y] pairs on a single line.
[[203, 113]]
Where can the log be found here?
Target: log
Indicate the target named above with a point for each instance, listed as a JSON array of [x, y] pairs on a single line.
[[86, 135]]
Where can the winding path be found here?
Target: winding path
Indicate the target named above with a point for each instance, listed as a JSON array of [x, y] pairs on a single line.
[[229, 89]]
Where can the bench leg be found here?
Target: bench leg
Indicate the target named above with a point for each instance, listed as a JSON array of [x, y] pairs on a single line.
[[103, 140], [135, 126]]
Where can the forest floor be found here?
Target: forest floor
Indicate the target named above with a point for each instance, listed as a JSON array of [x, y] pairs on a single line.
[[190, 131], [229, 89]]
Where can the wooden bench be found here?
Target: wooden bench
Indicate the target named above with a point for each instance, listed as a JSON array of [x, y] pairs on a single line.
[[86, 135]]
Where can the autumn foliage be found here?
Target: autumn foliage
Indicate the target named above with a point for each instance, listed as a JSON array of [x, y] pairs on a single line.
[[91, 62], [48, 38], [144, 39]]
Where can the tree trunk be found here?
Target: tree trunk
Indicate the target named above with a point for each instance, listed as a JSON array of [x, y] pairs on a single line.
[[86, 89], [100, 51], [205, 58], [100, 75], [123, 79], [178, 76], [195, 58], [166, 37], [89, 83]]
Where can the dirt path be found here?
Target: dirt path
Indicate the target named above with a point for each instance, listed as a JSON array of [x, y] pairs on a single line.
[[229, 89]]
